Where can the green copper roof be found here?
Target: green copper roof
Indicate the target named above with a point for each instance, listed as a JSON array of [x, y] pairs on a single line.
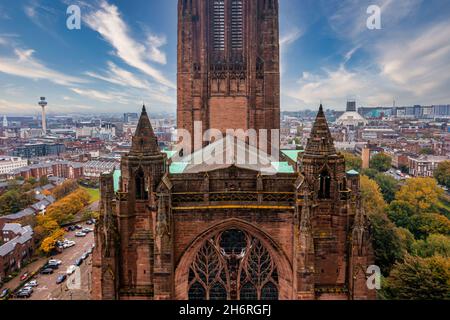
[[283, 167], [292, 154], [353, 173], [169, 153], [178, 167], [117, 175]]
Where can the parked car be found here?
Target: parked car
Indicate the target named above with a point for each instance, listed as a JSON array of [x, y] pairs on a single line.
[[24, 276], [54, 261], [78, 262], [84, 256], [47, 271], [71, 270], [90, 251], [61, 279], [80, 234], [72, 228], [53, 266], [24, 294], [27, 289], [78, 227], [32, 284], [5, 293], [87, 230], [69, 244], [89, 222]]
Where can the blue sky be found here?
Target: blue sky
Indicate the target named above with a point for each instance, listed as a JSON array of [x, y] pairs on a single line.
[[125, 53]]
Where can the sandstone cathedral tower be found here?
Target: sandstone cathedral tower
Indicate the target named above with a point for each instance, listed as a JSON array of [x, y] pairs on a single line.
[[283, 230]]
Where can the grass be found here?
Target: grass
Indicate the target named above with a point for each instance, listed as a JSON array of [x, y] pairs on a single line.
[[94, 193]]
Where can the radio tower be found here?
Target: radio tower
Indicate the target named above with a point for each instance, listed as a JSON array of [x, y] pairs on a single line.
[[43, 104]]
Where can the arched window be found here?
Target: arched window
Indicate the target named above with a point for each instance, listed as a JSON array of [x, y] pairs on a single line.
[[141, 190], [233, 265], [325, 185]]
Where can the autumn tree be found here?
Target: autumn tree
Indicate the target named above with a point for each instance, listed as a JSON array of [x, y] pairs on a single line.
[[442, 173], [49, 243], [422, 193], [435, 244], [371, 196], [381, 162], [387, 241], [64, 189], [419, 279]]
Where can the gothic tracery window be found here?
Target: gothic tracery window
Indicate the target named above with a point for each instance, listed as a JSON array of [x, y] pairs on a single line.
[[233, 265]]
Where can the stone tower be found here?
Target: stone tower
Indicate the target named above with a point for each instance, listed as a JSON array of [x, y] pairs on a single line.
[[336, 203], [228, 65]]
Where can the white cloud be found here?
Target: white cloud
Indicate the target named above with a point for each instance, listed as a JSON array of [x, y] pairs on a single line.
[[120, 77], [420, 62], [8, 106], [154, 47], [410, 68], [135, 86], [23, 64], [348, 18], [291, 36], [108, 22], [103, 96]]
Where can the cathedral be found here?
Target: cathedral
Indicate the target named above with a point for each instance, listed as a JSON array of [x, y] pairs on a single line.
[[174, 229]]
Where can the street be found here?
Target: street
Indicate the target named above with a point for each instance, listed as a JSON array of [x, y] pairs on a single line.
[[47, 288]]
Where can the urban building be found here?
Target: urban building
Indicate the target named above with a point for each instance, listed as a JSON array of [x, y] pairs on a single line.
[[17, 247], [9, 164], [29, 151], [425, 165]]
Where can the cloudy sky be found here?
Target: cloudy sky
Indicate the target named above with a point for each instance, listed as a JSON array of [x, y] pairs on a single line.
[[125, 53]]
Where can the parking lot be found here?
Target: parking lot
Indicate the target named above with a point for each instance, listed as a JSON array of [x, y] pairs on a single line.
[[48, 289]]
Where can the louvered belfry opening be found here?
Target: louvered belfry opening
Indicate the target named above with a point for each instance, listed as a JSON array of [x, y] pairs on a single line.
[[218, 25]]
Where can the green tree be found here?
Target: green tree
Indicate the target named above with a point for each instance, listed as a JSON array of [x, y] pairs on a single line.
[[425, 224], [352, 162], [43, 181], [426, 151], [371, 173], [436, 244], [14, 201], [381, 162], [419, 279], [442, 173], [388, 186], [401, 213], [387, 242], [407, 239]]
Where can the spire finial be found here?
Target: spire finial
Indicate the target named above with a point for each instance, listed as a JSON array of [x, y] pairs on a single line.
[[144, 110]]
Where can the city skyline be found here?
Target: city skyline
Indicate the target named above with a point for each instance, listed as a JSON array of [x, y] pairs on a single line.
[[125, 54]]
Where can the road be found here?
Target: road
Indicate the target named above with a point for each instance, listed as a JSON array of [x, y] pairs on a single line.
[[49, 290]]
